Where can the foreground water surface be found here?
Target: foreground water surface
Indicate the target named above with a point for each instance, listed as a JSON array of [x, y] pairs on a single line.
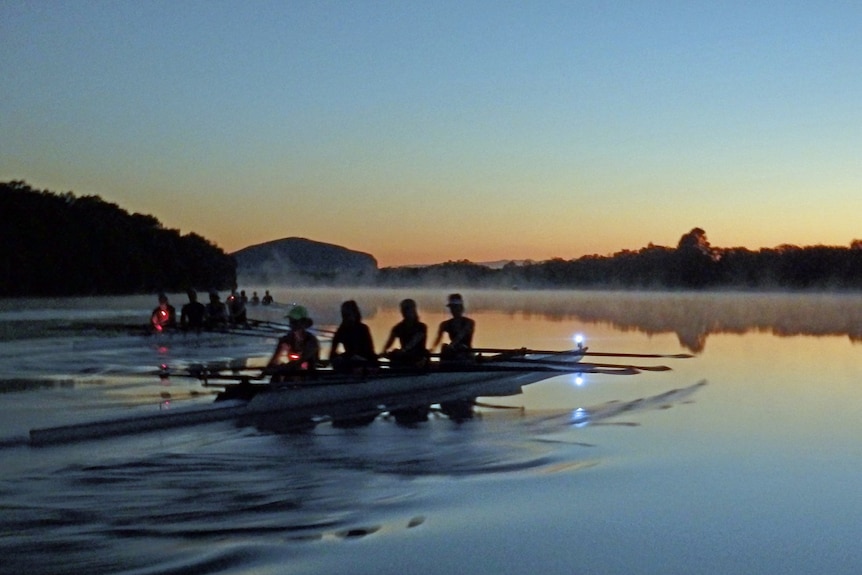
[[743, 458]]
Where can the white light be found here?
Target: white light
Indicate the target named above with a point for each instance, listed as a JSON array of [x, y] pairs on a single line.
[[578, 379], [579, 340], [580, 417]]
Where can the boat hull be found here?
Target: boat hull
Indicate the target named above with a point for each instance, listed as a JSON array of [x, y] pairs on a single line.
[[325, 395]]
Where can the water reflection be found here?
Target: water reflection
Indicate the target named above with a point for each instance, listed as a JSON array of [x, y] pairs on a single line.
[[161, 510], [691, 316], [129, 509], [26, 384], [736, 482]]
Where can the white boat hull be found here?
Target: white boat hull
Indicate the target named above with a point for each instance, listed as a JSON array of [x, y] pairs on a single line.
[[328, 395]]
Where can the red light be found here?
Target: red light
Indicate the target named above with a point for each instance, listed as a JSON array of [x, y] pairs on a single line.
[[161, 319]]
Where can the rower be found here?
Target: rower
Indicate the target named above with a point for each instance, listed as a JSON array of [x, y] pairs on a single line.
[[296, 351], [458, 351], [216, 312], [459, 328], [164, 316], [355, 337], [193, 313], [412, 334], [236, 308]]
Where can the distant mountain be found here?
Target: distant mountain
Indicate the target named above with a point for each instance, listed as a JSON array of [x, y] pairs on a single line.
[[302, 261]]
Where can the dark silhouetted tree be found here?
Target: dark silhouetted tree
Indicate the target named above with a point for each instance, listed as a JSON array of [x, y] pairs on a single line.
[[61, 244]]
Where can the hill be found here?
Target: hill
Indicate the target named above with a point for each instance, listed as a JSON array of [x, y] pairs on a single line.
[[300, 261]]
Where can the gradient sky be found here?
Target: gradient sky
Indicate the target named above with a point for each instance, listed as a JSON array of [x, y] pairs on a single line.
[[422, 132]]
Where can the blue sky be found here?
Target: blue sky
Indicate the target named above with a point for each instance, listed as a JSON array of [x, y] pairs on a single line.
[[427, 131]]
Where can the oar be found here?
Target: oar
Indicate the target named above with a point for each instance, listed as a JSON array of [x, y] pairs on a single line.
[[228, 329], [269, 324], [637, 367], [647, 355], [588, 364], [236, 330], [285, 327], [496, 406], [208, 380], [253, 332], [526, 351], [270, 332]]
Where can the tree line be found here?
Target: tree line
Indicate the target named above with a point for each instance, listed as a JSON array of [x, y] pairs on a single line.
[[693, 264], [60, 244]]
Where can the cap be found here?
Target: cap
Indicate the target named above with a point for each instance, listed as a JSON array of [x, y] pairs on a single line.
[[455, 299], [297, 312]]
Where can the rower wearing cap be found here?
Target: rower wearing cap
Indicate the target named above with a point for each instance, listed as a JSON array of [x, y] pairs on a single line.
[[298, 349], [459, 328]]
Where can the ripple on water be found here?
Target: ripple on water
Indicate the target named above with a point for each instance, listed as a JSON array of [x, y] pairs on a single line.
[[254, 488]]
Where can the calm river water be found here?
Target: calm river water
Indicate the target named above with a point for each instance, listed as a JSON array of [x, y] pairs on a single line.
[[742, 459]]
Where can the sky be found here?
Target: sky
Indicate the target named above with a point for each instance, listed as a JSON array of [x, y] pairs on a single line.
[[423, 132]]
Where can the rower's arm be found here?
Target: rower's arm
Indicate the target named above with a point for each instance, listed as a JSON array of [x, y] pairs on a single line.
[[279, 351], [439, 337], [336, 340], [389, 341]]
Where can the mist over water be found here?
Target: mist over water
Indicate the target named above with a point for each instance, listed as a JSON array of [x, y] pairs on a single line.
[[737, 460], [691, 316]]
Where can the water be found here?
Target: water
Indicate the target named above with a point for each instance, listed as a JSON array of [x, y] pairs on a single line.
[[752, 471]]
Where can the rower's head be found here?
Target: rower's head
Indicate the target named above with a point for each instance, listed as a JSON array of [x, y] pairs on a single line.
[[408, 309], [298, 318], [193, 295], [455, 303], [350, 311]]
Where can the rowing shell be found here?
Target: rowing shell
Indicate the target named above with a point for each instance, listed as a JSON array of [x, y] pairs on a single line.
[[326, 394]]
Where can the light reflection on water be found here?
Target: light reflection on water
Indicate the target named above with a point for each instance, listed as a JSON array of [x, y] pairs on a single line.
[[752, 472]]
